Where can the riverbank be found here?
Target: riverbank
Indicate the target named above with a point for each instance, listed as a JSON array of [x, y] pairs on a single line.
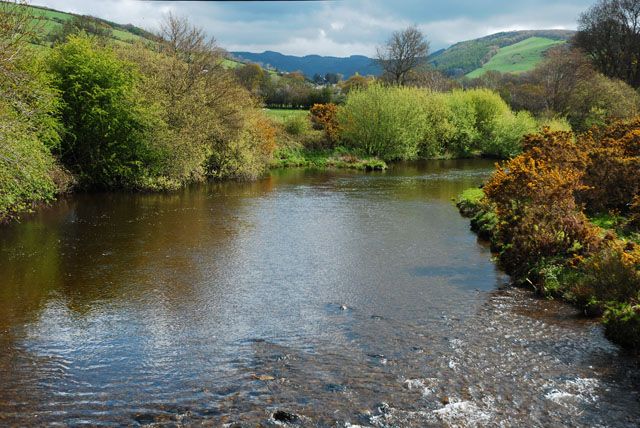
[[563, 220]]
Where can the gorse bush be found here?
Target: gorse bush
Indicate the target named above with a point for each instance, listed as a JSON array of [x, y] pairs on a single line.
[[406, 123], [539, 200]]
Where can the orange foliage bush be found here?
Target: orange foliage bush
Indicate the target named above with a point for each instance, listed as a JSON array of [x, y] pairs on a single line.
[[612, 273], [325, 117], [534, 198]]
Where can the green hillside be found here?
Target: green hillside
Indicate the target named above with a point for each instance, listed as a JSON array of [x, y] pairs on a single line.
[[51, 21], [519, 57], [464, 57]]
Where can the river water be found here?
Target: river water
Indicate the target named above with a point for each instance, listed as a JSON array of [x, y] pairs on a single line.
[[341, 298]]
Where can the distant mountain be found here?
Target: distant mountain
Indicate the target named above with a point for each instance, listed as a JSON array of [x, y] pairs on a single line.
[[465, 57], [312, 64]]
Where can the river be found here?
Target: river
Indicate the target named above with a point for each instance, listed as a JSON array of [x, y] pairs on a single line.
[[327, 298]]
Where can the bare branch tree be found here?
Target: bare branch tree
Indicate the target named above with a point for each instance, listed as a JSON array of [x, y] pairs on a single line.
[[18, 25], [404, 51]]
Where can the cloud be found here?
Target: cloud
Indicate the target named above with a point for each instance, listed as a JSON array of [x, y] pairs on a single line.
[[338, 28]]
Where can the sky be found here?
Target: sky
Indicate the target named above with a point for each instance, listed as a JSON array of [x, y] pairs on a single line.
[[339, 27]]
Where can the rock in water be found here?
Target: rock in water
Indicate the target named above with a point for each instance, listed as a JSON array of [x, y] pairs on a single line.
[[282, 416]]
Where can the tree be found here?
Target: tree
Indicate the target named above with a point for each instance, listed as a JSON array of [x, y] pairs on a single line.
[[77, 24], [426, 77], [252, 77], [610, 33], [355, 82], [17, 27], [107, 140], [332, 78], [404, 51], [560, 74]]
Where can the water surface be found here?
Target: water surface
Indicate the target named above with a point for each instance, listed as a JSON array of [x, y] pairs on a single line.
[[345, 298]]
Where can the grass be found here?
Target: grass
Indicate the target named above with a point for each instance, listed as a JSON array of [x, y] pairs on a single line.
[[229, 63], [283, 115], [519, 57], [330, 158]]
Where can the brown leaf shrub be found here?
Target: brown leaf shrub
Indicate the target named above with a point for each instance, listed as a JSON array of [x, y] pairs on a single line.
[[324, 117]]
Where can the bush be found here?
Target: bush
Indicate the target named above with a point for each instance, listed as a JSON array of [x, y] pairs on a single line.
[[534, 197], [534, 213], [600, 100], [622, 324], [387, 122], [325, 117], [295, 125], [464, 139], [612, 273], [438, 127], [107, 136], [29, 129], [247, 156], [27, 169], [509, 129], [611, 174], [405, 123], [209, 123]]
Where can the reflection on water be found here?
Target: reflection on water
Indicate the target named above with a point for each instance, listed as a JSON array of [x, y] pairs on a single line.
[[342, 297]]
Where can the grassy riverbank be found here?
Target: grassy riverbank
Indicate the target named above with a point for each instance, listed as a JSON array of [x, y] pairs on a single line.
[[564, 218]]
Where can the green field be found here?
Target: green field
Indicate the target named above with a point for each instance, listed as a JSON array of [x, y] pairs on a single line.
[[519, 57], [284, 114]]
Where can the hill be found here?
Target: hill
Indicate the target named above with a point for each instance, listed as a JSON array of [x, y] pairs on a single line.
[[54, 20], [514, 51], [465, 57], [312, 64], [519, 57]]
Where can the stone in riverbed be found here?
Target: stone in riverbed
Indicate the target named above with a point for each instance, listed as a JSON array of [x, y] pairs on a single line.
[[287, 417]]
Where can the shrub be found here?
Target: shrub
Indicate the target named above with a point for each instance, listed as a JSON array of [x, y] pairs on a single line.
[[107, 138], [611, 274], [534, 197], [325, 117], [465, 137], [611, 175], [26, 167], [509, 129], [622, 324], [29, 129], [438, 127], [295, 125], [600, 100], [490, 108], [248, 155], [384, 121]]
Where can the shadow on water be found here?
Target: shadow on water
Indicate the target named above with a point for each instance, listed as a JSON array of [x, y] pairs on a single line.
[[327, 296]]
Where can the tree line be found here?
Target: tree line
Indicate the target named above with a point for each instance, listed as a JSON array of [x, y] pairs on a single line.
[[91, 113]]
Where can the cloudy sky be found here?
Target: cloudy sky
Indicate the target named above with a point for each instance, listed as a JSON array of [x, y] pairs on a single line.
[[339, 27]]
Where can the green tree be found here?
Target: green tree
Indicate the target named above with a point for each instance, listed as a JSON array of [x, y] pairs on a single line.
[[79, 24], [107, 136]]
